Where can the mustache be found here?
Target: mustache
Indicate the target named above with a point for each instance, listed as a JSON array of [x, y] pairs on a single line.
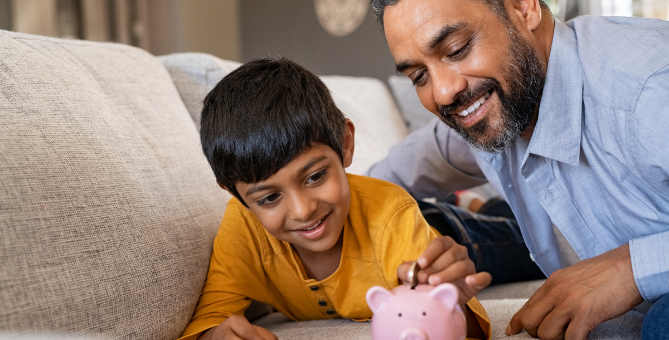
[[468, 96]]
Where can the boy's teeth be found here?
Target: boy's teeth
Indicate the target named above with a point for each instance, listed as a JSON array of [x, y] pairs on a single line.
[[473, 107], [314, 226]]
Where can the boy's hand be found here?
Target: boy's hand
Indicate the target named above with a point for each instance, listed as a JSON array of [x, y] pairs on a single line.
[[237, 328], [444, 260]]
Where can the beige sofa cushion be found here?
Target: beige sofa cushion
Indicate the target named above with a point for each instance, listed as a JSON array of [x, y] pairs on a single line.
[[108, 209], [366, 101]]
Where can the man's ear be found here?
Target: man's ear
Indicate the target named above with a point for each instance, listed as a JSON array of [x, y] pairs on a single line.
[[349, 143], [525, 13]]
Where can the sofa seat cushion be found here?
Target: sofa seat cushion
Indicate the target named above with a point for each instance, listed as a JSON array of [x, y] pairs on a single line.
[[108, 209]]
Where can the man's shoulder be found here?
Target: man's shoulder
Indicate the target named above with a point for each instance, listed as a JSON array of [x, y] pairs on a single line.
[[618, 55]]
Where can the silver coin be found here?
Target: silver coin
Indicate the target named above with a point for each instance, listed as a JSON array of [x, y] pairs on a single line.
[[413, 274]]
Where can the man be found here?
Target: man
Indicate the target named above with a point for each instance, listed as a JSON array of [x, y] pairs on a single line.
[[571, 122]]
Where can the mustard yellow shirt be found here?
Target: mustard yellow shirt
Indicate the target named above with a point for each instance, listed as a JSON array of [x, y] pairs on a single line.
[[384, 229]]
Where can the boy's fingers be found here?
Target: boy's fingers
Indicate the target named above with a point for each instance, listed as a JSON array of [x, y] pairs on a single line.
[[437, 247], [403, 271], [265, 334], [242, 328], [479, 281], [456, 271]]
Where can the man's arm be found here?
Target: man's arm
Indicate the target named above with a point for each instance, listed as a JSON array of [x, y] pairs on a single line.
[[433, 161]]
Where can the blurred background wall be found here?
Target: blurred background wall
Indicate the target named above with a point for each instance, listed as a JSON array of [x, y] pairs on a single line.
[[323, 35]]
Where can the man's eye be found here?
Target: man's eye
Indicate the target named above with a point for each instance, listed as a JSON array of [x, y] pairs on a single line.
[[269, 199], [316, 177], [419, 79], [461, 52]]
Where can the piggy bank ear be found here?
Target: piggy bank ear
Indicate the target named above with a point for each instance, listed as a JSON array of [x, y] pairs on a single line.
[[445, 293], [377, 296]]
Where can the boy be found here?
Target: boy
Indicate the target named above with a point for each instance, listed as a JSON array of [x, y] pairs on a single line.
[[301, 234]]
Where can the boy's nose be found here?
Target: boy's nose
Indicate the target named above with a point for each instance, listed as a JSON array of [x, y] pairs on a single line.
[[302, 207]]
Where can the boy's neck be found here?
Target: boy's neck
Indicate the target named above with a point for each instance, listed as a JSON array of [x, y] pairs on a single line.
[[320, 265]]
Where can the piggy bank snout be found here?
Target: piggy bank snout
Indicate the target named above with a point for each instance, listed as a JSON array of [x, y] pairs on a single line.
[[413, 333]]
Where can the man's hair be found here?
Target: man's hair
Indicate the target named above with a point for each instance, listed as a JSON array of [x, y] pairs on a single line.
[[497, 6], [264, 114]]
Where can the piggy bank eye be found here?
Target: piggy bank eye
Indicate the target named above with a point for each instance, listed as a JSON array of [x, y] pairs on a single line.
[[399, 315], [424, 313]]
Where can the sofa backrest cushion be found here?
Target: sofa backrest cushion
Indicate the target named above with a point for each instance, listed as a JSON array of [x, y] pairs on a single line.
[[108, 209], [194, 75], [366, 101]]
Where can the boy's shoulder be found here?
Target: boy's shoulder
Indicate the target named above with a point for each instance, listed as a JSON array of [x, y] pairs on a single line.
[[375, 197]]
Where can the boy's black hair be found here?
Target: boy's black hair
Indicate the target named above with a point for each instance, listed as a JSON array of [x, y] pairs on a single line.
[[263, 115]]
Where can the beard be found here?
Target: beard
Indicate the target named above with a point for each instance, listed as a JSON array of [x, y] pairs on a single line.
[[525, 81]]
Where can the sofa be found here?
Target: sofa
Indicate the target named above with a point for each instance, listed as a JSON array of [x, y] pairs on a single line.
[[108, 208]]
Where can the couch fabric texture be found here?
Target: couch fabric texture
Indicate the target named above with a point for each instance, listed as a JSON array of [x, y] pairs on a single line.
[[108, 208]]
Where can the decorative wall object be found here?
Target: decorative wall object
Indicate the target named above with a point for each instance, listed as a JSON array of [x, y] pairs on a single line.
[[341, 17]]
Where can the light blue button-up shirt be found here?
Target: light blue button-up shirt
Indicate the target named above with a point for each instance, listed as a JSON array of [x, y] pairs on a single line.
[[597, 165]]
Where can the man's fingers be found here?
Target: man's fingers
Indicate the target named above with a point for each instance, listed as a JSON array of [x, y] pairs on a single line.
[[530, 316], [554, 325]]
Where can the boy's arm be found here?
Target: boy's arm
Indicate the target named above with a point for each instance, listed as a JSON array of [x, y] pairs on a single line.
[[236, 274]]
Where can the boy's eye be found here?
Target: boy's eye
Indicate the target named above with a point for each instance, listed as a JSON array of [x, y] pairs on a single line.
[[269, 199], [316, 177]]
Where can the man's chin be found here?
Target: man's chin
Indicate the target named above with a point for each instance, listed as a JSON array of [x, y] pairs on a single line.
[[482, 137]]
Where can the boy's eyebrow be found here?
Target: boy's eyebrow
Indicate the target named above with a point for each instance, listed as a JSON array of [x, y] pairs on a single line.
[[255, 188], [312, 162]]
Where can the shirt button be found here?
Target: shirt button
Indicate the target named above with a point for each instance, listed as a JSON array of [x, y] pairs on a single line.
[[330, 312], [314, 288], [322, 303]]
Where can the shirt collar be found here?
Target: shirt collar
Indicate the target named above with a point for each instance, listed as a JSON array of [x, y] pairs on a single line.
[[557, 134]]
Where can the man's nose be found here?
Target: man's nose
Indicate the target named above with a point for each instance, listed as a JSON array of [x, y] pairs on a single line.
[[302, 207], [447, 85]]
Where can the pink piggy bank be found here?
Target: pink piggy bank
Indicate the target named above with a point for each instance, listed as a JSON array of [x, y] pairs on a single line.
[[423, 313]]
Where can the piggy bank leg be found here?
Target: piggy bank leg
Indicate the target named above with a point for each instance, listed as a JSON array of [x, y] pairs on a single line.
[[413, 333]]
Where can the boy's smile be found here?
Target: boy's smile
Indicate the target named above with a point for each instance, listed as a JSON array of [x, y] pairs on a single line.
[[306, 203]]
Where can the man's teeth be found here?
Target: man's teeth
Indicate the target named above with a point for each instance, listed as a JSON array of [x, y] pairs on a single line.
[[473, 107]]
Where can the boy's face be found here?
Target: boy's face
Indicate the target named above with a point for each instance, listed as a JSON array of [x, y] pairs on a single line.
[[306, 202]]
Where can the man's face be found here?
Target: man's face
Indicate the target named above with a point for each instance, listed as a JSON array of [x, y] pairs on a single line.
[[470, 68]]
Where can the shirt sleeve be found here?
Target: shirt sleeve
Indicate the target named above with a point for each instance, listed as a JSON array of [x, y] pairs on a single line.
[[236, 273], [433, 161], [405, 236], [650, 254]]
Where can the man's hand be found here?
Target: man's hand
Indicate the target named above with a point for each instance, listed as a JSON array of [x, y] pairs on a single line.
[[237, 328], [444, 260], [574, 300]]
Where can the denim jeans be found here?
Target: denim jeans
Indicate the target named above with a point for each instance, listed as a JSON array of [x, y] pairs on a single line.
[[494, 243], [656, 322]]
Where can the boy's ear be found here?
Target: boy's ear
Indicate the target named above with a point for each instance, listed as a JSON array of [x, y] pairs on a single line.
[[349, 143], [231, 194]]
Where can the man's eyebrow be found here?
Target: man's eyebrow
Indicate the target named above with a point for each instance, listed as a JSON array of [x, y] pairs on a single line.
[[255, 188], [444, 32]]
